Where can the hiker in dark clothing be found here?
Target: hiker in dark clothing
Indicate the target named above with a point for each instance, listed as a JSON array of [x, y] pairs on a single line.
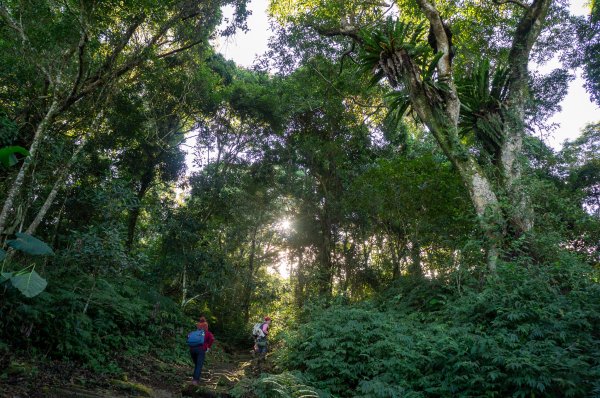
[[198, 352]]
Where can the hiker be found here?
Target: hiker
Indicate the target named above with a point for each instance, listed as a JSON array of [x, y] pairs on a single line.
[[260, 333], [199, 341]]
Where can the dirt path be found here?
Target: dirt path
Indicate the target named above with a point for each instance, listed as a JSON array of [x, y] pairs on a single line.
[[219, 377], [222, 371]]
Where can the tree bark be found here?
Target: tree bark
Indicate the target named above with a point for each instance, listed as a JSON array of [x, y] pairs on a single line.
[[415, 269], [58, 184], [135, 212], [18, 182], [326, 266], [527, 32], [250, 281]]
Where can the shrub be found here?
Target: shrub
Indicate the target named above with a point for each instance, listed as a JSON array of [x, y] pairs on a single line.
[[95, 322], [527, 332]]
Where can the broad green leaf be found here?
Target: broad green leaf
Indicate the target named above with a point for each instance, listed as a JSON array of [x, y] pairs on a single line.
[[30, 284], [7, 155], [2, 254], [30, 245], [4, 276]]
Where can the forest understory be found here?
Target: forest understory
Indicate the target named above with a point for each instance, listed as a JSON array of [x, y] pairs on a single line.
[[144, 377]]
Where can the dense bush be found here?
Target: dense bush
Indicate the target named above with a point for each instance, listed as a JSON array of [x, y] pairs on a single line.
[[98, 322], [528, 332]]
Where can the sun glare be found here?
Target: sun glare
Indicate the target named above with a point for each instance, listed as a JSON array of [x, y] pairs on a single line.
[[284, 225], [282, 266]]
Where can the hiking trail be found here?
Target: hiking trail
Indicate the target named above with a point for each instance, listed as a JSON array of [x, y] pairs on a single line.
[[160, 380]]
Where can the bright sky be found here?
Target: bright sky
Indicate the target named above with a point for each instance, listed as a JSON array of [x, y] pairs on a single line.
[[577, 109]]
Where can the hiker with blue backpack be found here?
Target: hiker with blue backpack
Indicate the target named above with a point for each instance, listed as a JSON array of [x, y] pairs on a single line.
[[200, 341]]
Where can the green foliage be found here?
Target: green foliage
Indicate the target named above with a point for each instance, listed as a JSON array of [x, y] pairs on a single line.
[[98, 322], [383, 43], [7, 155], [482, 92], [581, 159], [29, 245], [283, 385], [370, 200], [8, 131], [383, 46], [588, 31], [528, 332], [30, 284]]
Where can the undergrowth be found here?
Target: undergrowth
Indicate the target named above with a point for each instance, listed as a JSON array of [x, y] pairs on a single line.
[[98, 323], [527, 332]]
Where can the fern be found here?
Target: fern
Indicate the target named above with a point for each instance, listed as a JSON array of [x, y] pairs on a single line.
[[482, 94]]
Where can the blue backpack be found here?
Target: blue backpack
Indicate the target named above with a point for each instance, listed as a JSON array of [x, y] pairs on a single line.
[[195, 338]]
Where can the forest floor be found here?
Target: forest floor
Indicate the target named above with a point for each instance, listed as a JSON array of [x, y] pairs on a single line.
[[153, 379]]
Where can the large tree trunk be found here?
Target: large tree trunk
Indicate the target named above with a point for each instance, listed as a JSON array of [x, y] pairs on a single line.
[[440, 111], [415, 269], [528, 30]]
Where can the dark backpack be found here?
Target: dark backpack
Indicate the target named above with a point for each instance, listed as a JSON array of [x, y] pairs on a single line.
[[196, 338]]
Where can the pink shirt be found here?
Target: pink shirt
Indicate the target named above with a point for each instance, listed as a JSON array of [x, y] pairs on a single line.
[[265, 328], [209, 339]]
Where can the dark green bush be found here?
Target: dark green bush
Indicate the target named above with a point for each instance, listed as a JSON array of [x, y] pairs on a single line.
[[528, 332], [97, 323]]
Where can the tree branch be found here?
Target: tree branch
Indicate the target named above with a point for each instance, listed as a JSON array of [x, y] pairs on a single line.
[[443, 42], [348, 31], [18, 27], [81, 62], [515, 2], [180, 49], [526, 34]]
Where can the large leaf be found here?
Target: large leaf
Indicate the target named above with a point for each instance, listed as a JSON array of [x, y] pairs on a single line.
[[4, 276], [30, 284], [7, 155], [2, 254], [30, 245]]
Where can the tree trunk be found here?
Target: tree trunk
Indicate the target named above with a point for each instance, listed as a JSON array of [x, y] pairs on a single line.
[[135, 211], [326, 266], [250, 281], [415, 269], [395, 260], [18, 182], [520, 217], [184, 287], [58, 184]]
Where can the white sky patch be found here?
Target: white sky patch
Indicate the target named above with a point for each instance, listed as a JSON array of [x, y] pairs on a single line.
[[244, 47], [577, 111]]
